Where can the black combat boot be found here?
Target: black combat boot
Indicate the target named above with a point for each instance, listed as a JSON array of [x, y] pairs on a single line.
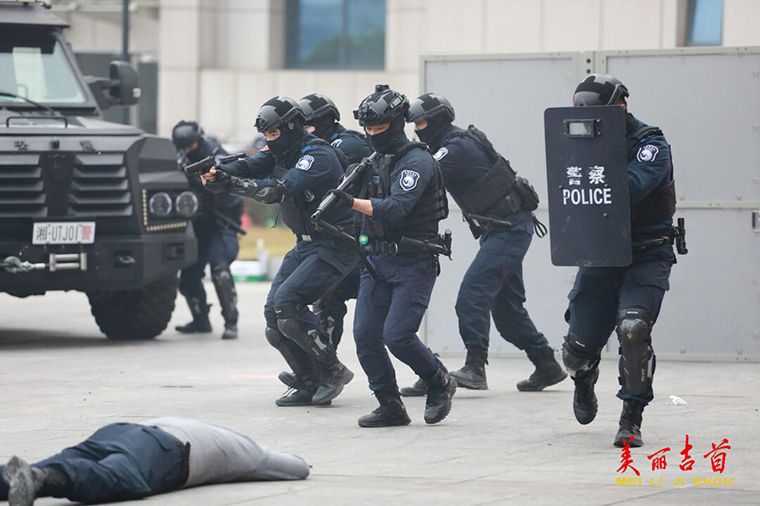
[[200, 323], [419, 389], [473, 374], [391, 412], [441, 388], [333, 378], [547, 373], [287, 378], [300, 394], [230, 331], [27, 483], [630, 424], [584, 399]]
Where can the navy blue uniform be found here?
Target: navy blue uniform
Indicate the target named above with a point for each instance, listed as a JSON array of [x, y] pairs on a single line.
[[389, 309], [217, 244], [493, 284], [332, 307], [600, 293], [353, 144], [120, 462], [317, 262]]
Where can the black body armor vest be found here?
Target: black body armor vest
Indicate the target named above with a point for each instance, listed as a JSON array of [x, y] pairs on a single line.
[[431, 207], [495, 193]]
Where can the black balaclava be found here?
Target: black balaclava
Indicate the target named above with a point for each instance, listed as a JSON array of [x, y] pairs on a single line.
[[386, 141], [323, 127], [432, 134], [289, 142]]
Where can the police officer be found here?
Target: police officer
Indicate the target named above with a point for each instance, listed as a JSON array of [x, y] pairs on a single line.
[[486, 189], [322, 117], [626, 299], [217, 241], [296, 169], [403, 199]]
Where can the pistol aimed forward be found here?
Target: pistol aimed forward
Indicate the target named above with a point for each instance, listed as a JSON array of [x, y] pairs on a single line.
[[205, 165]]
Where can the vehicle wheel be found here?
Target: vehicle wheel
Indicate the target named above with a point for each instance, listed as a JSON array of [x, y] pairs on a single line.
[[135, 314]]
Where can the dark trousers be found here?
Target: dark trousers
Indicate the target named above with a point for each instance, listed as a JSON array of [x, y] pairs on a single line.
[[119, 462], [600, 292], [389, 311], [308, 272], [216, 246], [332, 309], [493, 286]]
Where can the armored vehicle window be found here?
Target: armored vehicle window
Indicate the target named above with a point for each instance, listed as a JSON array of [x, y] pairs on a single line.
[[36, 68]]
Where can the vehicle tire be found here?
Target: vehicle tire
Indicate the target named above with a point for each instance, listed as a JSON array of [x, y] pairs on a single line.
[[132, 315]]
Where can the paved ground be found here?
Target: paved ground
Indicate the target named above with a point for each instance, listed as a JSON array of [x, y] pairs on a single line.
[[60, 380]]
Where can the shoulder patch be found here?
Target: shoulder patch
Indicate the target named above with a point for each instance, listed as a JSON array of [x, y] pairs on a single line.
[[336, 143], [440, 153], [305, 162], [265, 148], [647, 153], [409, 180]]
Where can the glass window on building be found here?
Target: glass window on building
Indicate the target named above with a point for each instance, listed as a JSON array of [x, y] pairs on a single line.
[[335, 34], [704, 23]]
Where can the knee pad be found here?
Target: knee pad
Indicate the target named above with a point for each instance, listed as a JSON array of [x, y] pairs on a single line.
[[220, 272], [274, 337], [307, 340], [579, 357], [636, 354]]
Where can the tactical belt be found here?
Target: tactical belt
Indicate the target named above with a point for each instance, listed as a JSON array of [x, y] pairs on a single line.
[[642, 243], [394, 248]]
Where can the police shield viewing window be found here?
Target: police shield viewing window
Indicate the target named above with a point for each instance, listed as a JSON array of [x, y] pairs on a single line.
[[626, 299], [497, 205], [401, 200], [296, 170], [216, 225]]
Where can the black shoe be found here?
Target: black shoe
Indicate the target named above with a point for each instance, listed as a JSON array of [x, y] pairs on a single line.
[[230, 331], [473, 374], [23, 482], [391, 412], [419, 389], [288, 379], [301, 392], [630, 425], [198, 326], [584, 399], [332, 380], [548, 372], [441, 388]]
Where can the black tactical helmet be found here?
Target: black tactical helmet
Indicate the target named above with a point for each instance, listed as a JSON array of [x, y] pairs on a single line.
[[186, 133], [317, 106], [600, 89], [429, 106], [278, 111], [383, 106]]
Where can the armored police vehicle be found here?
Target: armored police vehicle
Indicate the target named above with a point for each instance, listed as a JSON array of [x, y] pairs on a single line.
[[84, 204]]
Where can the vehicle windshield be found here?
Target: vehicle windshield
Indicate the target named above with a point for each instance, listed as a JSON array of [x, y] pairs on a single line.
[[33, 65]]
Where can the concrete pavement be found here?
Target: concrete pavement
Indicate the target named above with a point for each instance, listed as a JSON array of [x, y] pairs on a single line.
[[60, 380]]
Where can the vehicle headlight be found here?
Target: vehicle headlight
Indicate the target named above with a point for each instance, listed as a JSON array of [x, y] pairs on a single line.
[[186, 204], [160, 205]]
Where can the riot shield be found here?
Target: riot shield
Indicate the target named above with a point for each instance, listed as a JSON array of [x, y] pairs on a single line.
[[587, 175]]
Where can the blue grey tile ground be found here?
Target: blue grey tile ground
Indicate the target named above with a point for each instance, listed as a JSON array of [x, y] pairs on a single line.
[[60, 380]]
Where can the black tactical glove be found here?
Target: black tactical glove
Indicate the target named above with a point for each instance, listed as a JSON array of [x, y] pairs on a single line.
[[342, 199], [222, 181]]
